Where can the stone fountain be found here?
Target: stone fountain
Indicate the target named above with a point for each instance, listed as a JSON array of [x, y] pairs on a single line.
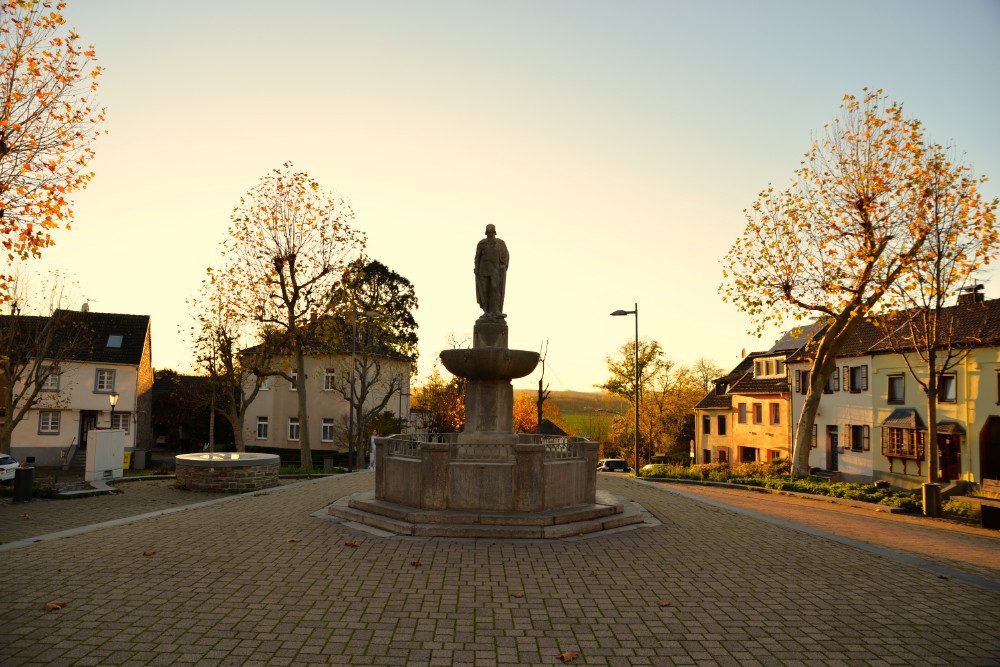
[[487, 481]]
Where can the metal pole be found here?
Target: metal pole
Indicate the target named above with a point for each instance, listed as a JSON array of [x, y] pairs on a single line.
[[636, 389], [350, 420]]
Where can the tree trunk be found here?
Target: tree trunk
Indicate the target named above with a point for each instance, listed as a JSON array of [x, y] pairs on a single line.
[[803, 432], [305, 452]]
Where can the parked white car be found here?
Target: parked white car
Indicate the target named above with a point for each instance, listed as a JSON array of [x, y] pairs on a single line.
[[7, 466]]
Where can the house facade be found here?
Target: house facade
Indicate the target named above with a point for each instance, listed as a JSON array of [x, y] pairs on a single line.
[[76, 394], [968, 405], [272, 420], [751, 406]]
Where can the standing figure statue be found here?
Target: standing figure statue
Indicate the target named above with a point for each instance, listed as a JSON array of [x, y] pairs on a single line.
[[492, 259]]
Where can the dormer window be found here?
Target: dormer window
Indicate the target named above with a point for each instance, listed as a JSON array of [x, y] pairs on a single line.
[[114, 340], [721, 388], [768, 368]]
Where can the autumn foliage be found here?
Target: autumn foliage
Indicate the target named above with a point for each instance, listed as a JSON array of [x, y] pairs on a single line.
[[47, 123]]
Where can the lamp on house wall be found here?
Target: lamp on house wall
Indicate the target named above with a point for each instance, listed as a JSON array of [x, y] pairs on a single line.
[[354, 346], [635, 429], [113, 399]]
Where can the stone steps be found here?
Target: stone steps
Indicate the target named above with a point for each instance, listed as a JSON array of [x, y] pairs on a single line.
[[608, 513]]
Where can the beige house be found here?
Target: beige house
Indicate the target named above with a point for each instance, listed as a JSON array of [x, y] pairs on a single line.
[[968, 406], [76, 396], [272, 420]]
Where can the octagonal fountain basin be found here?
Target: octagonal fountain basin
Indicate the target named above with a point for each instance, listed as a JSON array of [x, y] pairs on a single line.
[[489, 363], [233, 472]]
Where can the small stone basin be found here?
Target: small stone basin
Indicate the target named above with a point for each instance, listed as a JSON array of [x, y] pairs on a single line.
[[489, 363], [236, 472]]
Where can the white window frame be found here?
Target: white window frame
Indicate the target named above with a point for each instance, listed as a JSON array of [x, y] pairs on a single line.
[[105, 372], [51, 381], [294, 429], [329, 380], [292, 386], [262, 432], [49, 422], [326, 430], [123, 419], [952, 379]]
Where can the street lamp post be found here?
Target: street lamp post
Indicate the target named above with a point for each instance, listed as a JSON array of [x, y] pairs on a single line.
[[635, 430], [354, 346], [113, 399]]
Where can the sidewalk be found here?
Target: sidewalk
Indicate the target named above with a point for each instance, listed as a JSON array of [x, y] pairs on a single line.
[[225, 585]]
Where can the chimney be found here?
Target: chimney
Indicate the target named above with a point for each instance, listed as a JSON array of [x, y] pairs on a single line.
[[971, 294]]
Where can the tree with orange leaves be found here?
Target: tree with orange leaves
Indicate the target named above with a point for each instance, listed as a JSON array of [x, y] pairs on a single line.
[[47, 123], [286, 251], [836, 242]]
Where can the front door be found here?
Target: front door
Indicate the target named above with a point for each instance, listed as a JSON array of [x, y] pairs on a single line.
[[88, 422], [831, 448], [989, 449], [949, 457]]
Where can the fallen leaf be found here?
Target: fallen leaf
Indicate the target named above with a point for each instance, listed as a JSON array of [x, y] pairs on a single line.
[[879, 510], [518, 595], [352, 543], [294, 539], [415, 563], [55, 604], [148, 553], [566, 656], [25, 516], [663, 603]]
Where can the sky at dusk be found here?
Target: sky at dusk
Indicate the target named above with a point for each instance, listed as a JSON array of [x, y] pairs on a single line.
[[613, 144]]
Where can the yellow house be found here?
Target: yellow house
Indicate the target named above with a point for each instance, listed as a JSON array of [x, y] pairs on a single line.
[[968, 404]]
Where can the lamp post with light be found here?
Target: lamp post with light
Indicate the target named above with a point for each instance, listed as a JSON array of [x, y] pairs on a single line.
[[635, 312], [354, 346], [113, 399]]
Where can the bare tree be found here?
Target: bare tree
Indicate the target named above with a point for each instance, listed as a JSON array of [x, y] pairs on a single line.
[[963, 238], [32, 348], [288, 246]]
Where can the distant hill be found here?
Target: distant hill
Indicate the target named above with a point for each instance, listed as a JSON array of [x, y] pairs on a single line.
[[578, 402]]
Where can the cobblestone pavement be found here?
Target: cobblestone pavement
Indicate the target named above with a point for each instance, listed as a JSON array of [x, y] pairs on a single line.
[[965, 547], [226, 586]]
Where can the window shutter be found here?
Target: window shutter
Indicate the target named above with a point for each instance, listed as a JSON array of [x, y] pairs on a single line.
[[847, 378], [864, 378], [798, 380], [815, 437], [867, 438], [847, 436], [836, 380]]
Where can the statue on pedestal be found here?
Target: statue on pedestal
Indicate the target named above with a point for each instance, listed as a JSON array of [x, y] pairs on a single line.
[[491, 263]]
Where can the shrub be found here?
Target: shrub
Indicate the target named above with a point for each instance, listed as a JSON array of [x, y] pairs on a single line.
[[960, 509]]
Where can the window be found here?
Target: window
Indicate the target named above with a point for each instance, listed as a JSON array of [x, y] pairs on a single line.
[[856, 437], [903, 443], [295, 380], [743, 413], [48, 378], [721, 423], [721, 388], [706, 424], [758, 368], [706, 456], [769, 367], [328, 380], [748, 454], [120, 421], [114, 340], [48, 422], [266, 384], [828, 389], [326, 434], [775, 414], [262, 428], [758, 413], [858, 381], [779, 367], [802, 382], [946, 388], [897, 389], [104, 383], [293, 428]]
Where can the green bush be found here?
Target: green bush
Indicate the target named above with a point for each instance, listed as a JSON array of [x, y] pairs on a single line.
[[960, 509]]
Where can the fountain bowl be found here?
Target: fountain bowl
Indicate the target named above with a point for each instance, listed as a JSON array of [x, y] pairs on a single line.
[[489, 363]]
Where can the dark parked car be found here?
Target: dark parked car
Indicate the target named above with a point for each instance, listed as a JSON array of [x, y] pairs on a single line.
[[613, 465]]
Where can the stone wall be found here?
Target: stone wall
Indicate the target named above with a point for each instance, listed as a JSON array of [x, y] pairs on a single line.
[[230, 479]]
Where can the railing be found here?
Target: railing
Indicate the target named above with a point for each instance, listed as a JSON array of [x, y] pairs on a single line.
[[556, 447]]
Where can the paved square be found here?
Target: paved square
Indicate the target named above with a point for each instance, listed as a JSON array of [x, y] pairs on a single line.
[[226, 586]]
